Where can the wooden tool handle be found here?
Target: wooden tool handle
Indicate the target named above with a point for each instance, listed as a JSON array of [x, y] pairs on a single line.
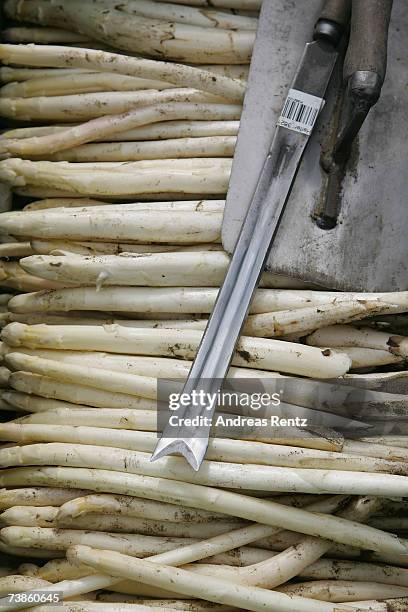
[[338, 11], [367, 49]]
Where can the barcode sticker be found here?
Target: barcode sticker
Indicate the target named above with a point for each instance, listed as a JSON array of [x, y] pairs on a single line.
[[300, 111]]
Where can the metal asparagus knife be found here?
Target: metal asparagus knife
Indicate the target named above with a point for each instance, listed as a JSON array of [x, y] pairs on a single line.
[[298, 117]]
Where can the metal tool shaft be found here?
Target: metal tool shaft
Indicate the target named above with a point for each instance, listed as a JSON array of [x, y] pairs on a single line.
[[248, 261]]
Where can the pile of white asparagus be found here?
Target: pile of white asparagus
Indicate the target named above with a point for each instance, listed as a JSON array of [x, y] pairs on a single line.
[[108, 276]]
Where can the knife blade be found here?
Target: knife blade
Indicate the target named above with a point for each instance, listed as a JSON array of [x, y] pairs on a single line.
[[298, 117]]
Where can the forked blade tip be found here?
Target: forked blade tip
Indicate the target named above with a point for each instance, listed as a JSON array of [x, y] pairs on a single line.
[[168, 446]]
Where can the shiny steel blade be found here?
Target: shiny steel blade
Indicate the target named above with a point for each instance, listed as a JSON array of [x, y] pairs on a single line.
[[248, 261]]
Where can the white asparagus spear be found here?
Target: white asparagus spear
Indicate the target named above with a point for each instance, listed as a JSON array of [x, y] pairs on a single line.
[[16, 584], [156, 367], [202, 269], [161, 130], [31, 553], [33, 403], [399, 441], [288, 564], [115, 505], [10, 75], [389, 382], [13, 276], [179, 74], [51, 203], [289, 322], [285, 322], [180, 300], [364, 337], [82, 207], [42, 35], [395, 605], [368, 358], [4, 376], [258, 353], [344, 591], [26, 382], [124, 505], [214, 589], [16, 249], [45, 517], [208, 498], [219, 474], [239, 5], [38, 318], [37, 496], [84, 107], [366, 449], [69, 84], [114, 382], [206, 17], [214, 146], [61, 539], [85, 429], [104, 128], [187, 553], [327, 569], [396, 523], [163, 605], [58, 247], [127, 182], [161, 226], [139, 34], [33, 191]]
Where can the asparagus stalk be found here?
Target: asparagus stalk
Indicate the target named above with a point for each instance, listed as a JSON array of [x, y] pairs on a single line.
[[209, 18], [43, 386], [343, 590], [161, 130], [42, 35], [250, 5], [185, 582], [215, 146], [165, 176], [59, 247], [139, 34], [207, 498], [368, 358], [16, 249], [73, 83], [288, 564], [360, 337], [33, 403], [218, 474], [107, 380], [161, 226], [11, 75], [37, 496], [85, 428], [180, 75], [46, 518], [258, 353], [104, 128], [205, 269], [180, 300], [187, 553], [84, 107], [15, 584]]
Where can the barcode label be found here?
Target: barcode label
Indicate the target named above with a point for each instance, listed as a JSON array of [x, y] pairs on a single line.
[[300, 111]]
